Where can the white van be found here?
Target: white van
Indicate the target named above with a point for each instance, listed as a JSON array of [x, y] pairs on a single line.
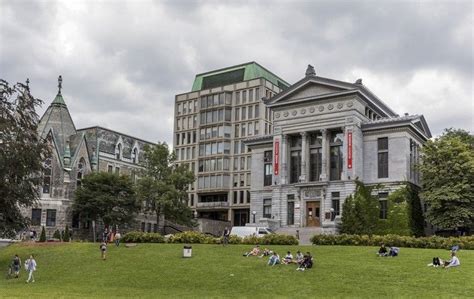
[[244, 231]]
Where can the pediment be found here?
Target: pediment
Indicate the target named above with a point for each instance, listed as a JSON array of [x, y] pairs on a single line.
[[312, 89]]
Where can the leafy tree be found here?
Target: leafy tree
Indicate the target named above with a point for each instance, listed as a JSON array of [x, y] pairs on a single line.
[[447, 172], [43, 235], [107, 197], [360, 213], [21, 155], [164, 184], [57, 235], [67, 234]]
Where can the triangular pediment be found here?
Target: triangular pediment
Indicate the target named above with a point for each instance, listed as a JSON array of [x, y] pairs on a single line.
[[311, 87]]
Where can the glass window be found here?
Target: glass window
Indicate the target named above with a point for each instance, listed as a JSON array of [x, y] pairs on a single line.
[[244, 113], [383, 204], [382, 159], [36, 217], [237, 114], [244, 96], [235, 197], [315, 164], [267, 208], [295, 166], [237, 97], [47, 173], [50, 217], [336, 203], [257, 111], [267, 168], [250, 95]]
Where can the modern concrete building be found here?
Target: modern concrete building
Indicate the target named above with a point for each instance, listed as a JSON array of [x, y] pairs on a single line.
[[223, 108], [74, 154], [326, 134]]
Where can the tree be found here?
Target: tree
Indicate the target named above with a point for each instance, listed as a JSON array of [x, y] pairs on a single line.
[[43, 235], [22, 153], [447, 172], [66, 236], [107, 197], [164, 184], [360, 212], [57, 234]]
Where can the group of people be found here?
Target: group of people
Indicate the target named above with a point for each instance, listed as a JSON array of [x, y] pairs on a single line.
[[109, 236], [304, 261], [391, 251], [30, 267]]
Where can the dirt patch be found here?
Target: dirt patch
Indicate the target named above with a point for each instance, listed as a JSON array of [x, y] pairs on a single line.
[[42, 244]]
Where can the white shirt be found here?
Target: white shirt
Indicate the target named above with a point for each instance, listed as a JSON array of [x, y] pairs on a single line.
[[454, 262]]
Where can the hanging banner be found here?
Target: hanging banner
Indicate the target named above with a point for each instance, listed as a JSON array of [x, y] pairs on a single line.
[[276, 157], [349, 150]]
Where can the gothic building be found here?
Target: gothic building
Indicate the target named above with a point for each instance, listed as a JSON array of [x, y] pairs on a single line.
[[74, 154], [326, 134]]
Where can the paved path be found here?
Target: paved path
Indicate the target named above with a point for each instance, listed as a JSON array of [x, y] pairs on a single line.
[[4, 243]]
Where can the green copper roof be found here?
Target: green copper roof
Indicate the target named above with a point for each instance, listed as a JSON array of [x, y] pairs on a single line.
[[233, 74], [58, 100]]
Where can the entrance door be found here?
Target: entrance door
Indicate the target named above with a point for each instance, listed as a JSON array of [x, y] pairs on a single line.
[[241, 217], [312, 213]]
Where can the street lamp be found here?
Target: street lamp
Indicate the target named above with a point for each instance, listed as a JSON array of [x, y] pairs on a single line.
[[254, 213], [195, 214], [333, 215]]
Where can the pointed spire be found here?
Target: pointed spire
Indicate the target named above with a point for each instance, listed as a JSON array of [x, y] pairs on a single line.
[[60, 84], [310, 71], [359, 81], [28, 84]]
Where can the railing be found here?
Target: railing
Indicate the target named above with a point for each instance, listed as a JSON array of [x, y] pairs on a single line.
[[217, 204]]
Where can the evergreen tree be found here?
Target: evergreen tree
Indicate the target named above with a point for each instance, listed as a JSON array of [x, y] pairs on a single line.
[[22, 153], [43, 235], [57, 235], [66, 236], [447, 172]]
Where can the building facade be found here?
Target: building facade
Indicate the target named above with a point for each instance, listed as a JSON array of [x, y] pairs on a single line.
[[326, 134], [74, 154], [224, 108]]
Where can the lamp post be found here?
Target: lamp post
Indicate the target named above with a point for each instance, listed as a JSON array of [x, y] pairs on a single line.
[[253, 214], [195, 214]]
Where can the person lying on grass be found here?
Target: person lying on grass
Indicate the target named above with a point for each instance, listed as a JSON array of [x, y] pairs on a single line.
[[382, 250], [288, 259], [274, 259], [394, 251], [307, 262], [254, 252]]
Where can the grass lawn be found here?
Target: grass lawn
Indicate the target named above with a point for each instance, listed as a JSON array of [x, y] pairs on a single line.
[[158, 270]]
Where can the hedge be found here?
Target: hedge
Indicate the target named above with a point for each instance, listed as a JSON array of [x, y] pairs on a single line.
[[141, 237], [192, 237], [434, 242]]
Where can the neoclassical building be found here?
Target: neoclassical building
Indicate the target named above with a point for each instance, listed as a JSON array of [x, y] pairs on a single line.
[[74, 154], [326, 134]]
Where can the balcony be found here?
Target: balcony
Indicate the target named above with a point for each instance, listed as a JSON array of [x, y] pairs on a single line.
[[216, 204]]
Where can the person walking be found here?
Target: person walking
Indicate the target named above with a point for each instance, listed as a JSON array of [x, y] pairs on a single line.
[[16, 265], [103, 250], [117, 238], [30, 266], [225, 239]]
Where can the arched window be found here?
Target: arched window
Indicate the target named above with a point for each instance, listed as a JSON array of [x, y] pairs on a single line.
[[80, 172], [47, 174], [135, 155], [118, 151]]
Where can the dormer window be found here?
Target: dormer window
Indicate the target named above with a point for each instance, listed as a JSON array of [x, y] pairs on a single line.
[[118, 151], [47, 173], [135, 156]]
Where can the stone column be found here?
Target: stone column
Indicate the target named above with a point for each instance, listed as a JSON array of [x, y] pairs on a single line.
[[324, 156], [283, 159], [304, 157]]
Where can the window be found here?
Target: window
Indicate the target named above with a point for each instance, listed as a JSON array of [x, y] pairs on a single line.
[[241, 196], [36, 217], [267, 208], [383, 203], [237, 114], [118, 151], [248, 196], [80, 172], [110, 168], [50, 217], [290, 219], [295, 170], [235, 196], [382, 157], [117, 170], [148, 229], [244, 113], [336, 203], [315, 157], [244, 96], [237, 98], [335, 158], [143, 226], [47, 173], [267, 168], [257, 111]]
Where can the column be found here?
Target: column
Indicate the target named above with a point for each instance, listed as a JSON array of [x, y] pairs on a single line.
[[284, 164], [324, 156], [304, 157]]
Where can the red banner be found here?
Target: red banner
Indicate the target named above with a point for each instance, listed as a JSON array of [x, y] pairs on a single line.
[[349, 150], [276, 157]]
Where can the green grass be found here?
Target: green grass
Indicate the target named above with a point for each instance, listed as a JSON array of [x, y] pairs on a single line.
[[158, 270]]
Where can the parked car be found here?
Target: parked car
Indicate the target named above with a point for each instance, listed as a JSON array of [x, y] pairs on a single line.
[[244, 231]]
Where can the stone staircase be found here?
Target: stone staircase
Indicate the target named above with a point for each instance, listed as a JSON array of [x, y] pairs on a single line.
[[305, 233]]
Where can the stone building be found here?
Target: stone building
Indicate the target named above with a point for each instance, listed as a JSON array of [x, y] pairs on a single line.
[[74, 154], [223, 108], [326, 134]]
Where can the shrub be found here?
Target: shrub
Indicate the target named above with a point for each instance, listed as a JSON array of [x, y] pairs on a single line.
[[434, 242], [67, 234], [57, 235], [43, 235], [142, 237], [193, 237]]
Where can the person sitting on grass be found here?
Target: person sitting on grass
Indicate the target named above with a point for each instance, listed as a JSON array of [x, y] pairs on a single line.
[[266, 252], [254, 252], [382, 250], [299, 258], [453, 262], [394, 251], [288, 259], [274, 259], [307, 262]]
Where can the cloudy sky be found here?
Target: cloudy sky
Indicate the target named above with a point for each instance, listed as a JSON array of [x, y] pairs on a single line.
[[122, 62]]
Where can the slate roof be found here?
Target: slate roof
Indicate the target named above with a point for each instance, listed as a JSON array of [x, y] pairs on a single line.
[[418, 122]]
